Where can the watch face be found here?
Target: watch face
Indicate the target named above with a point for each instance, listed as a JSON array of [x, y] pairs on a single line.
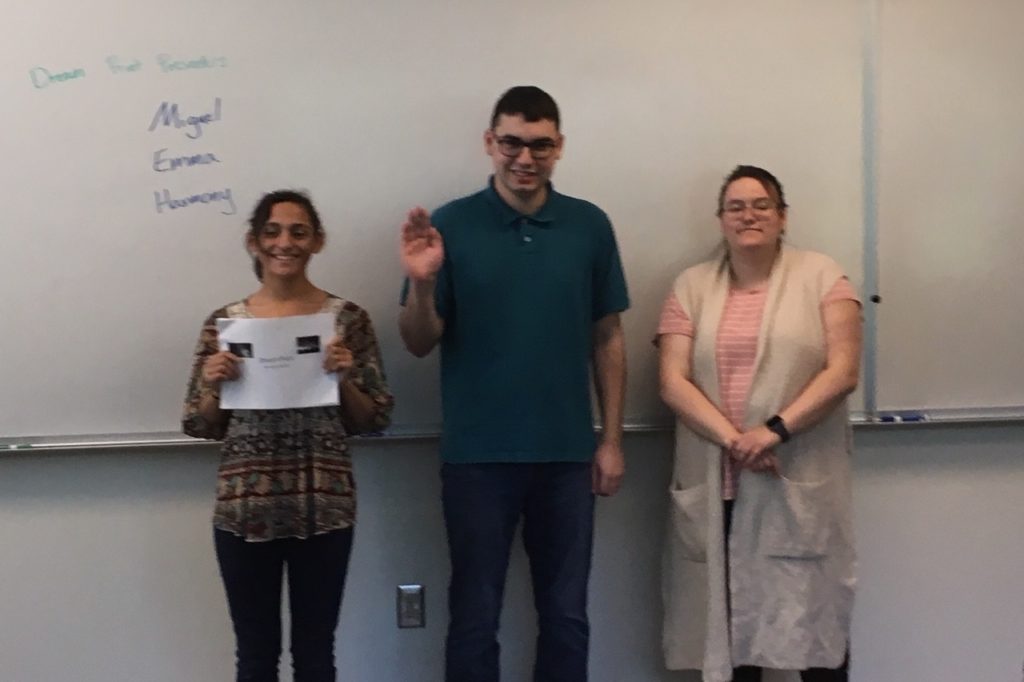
[[778, 427]]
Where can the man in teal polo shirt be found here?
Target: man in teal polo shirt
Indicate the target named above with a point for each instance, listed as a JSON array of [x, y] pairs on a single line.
[[522, 286]]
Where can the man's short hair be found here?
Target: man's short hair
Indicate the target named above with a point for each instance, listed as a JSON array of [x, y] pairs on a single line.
[[528, 101]]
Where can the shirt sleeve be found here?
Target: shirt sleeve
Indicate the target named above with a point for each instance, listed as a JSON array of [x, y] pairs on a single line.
[[674, 319], [609, 281], [367, 372], [842, 290], [192, 423]]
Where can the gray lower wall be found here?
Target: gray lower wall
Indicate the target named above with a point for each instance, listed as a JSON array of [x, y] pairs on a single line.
[[107, 570]]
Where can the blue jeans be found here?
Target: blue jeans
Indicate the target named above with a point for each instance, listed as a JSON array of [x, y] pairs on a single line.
[[482, 507], [252, 574]]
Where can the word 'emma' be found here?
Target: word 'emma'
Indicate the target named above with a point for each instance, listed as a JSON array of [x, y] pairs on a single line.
[[163, 163]]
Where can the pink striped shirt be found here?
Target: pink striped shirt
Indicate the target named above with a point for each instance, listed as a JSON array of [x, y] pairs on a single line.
[[735, 352]]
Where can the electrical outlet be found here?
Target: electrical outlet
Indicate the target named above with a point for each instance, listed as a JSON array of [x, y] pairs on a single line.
[[412, 611]]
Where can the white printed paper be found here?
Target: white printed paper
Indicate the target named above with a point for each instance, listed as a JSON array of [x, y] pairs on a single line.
[[282, 362]]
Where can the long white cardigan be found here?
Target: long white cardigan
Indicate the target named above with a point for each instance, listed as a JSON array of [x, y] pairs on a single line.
[[791, 557]]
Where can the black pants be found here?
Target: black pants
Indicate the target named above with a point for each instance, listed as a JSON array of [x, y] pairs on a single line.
[[252, 574], [751, 673]]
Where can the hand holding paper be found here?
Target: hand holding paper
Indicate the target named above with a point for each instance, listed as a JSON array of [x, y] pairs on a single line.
[[281, 362], [222, 366], [338, 358]]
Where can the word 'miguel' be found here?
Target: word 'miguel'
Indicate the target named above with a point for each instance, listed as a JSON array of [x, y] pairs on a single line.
[[167, 115]]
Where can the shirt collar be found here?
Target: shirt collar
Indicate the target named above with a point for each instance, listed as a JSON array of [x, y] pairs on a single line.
[[544, 217]]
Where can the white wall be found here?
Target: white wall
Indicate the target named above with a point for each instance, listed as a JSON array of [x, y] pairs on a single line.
[[107, 570]]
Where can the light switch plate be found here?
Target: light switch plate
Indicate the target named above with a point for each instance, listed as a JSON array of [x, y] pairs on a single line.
[[411, 607]]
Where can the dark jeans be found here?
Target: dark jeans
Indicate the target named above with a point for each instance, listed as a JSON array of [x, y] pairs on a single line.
[[482, 507], [252, 573], [751, 673]]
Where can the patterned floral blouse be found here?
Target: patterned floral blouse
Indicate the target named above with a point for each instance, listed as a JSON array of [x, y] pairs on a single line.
[[288, 473]]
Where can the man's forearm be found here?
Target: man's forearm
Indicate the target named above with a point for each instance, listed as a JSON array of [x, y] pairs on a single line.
[[610, 377], [418, 322]]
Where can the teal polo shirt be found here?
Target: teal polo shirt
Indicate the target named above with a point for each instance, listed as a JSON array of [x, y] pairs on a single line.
[[519, 296]]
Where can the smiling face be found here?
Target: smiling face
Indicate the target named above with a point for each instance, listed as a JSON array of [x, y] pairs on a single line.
[[751, 217], [286, 241], [524, 155]]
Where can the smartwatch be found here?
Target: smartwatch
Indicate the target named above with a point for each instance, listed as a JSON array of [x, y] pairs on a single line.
[[778, 427]]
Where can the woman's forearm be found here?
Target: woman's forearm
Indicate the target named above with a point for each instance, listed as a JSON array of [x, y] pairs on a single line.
[[691, 405]]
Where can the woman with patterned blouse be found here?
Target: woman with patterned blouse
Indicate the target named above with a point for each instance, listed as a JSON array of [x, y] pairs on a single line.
[[285, 493]]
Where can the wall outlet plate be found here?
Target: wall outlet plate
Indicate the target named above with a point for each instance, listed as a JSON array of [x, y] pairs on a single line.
[[411, 607]]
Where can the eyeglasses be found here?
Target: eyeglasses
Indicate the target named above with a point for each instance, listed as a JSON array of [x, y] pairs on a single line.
[[759, 207], [512, 146]]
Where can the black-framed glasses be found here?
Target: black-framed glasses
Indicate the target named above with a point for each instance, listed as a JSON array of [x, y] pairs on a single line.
[[513, 146]]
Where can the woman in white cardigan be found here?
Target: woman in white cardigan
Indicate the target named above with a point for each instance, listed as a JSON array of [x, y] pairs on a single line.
[[759, 349]]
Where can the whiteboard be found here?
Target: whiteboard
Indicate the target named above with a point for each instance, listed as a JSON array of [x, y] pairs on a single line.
[[951, 229], [374, 107]]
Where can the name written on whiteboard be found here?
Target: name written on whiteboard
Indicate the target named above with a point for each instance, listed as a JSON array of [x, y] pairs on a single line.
[[167, 115], [165, 201], [163, 163]]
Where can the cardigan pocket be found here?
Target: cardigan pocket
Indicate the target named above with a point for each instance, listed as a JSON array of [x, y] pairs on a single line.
[[797, 520], [689, 521]]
